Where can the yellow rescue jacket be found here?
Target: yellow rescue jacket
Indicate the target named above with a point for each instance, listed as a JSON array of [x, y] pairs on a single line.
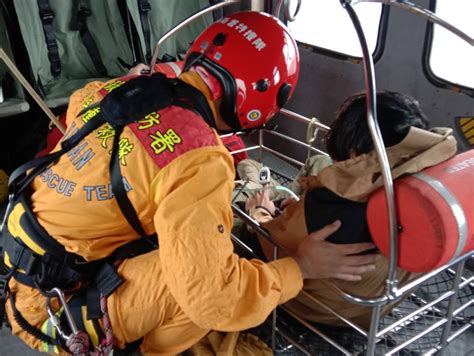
[[179, 178]]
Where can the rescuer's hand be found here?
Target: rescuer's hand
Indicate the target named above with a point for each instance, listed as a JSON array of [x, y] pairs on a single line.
[[318, 258]]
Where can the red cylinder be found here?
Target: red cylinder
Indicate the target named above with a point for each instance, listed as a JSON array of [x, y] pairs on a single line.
[[435, 211]]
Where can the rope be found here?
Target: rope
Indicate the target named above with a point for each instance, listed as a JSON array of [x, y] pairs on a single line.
[[78, 344], [109, 335]]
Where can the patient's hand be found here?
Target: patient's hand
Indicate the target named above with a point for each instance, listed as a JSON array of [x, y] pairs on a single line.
[[260, 200], [318, 258], [139, 69]]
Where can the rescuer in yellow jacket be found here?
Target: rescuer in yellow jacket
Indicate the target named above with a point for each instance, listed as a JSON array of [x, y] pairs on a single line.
[[179, 178]]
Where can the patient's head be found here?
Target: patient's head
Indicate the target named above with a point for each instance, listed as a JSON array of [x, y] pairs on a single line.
[[350, 135]]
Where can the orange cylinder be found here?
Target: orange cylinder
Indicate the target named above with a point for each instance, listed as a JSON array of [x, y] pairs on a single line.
[[435, 211]]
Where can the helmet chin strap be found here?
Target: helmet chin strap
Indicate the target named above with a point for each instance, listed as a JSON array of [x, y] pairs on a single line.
[[227, 83], [212, 83]]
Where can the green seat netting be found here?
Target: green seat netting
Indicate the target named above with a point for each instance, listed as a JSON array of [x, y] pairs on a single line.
[[164, 15], [77, 68], [12, 100]]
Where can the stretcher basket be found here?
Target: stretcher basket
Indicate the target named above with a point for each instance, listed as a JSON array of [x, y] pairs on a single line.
[[435, 308]]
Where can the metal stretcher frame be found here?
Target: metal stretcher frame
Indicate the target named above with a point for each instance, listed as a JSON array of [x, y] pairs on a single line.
[[392, 290], [459, 282]]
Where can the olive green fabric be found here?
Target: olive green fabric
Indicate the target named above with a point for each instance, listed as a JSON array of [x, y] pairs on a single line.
[[106, 27], [12, 99], [4, 43], [175, 11]]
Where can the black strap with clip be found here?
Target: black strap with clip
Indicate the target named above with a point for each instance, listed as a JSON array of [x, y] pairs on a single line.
[[47, 17], [87, 39], [144, 7]]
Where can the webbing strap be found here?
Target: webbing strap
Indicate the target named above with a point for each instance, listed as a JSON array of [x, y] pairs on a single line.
[[47, 16], [87, 39], [184, 95], [118, 187], [191, 98], [144, 7], [19, 180]]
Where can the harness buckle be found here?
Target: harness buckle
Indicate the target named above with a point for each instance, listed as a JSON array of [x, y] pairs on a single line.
[[3, 300], [3, 289], [83, 14], [47, 15], [84, 11], [144, 6], [55, 320]]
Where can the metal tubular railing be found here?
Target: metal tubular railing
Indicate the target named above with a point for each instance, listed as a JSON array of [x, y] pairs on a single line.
[[184, 23], [400, 292], [392, 292], [410, 318], [27, 86], [293, 140], [369, 78], [452, 301], [302, 118], [420, 11]]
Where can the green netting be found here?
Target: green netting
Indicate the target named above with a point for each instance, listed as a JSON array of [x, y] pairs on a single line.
[[106, 27], [11, 99], [175, 11]]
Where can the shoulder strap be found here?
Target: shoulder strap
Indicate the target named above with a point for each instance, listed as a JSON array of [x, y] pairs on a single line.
[[180, 93], [191, 98], [47, 16], [118, 187], [144, 7], [89, 43], [19, 179], [183, 95]]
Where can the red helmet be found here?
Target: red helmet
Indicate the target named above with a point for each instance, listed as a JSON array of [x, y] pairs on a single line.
[[256, 61]]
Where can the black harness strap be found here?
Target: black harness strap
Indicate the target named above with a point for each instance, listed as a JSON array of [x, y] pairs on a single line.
[[118, 187], [87, 39], [185, 96], [191, 98], [144, 7], [47, 16], [19, 180]]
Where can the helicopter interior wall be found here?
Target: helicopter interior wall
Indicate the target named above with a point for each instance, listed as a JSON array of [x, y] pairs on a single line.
[[326, 81]]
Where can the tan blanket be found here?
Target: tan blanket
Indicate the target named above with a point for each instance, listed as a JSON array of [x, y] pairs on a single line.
[[356, 178]]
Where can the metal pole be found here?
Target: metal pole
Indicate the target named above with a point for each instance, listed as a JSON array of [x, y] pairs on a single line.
[[260, 143], [21, 79], [420, 11], [452, 303], [369, 78], [184, 23], [274, 313], [374, 326], [302, 118]]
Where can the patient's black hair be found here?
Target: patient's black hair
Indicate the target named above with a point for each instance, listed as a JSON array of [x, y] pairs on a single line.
[[396, 113]]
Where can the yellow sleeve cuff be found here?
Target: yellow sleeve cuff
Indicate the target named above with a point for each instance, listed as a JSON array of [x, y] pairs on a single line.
[[290, 277]]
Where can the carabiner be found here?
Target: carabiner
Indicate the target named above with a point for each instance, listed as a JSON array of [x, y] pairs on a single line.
[[55, 320]]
